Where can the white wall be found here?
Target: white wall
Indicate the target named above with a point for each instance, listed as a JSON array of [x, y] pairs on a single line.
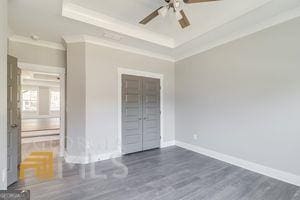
[[101, 92], [3, 93], [44, 100], [243, 98]]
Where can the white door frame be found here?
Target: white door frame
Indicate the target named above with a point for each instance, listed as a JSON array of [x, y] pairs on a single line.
[[61, 72], [144, 74]]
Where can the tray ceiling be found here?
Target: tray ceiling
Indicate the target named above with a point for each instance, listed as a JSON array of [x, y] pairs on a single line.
[[203, 16], [212, 23]]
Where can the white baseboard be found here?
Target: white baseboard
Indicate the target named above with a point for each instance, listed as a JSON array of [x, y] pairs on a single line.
[[90, 158], [267, 171], [167, 144], [103, 156], [74, 159]]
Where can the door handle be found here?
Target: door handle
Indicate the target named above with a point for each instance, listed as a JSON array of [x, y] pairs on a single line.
[[14, 125], [145, 118], [140, 118]]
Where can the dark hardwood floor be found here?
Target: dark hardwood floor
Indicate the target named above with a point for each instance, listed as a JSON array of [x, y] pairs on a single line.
[[168, 174]]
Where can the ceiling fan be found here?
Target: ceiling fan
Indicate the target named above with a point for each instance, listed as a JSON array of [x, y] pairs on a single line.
[[175, 6]]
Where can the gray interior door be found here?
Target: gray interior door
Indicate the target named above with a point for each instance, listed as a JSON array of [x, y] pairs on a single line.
[[132, 139], [140, 113], [151, 113], [13, 120]]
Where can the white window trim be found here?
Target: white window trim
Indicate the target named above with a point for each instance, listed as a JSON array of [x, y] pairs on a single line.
[[38, 102], [51, 89]]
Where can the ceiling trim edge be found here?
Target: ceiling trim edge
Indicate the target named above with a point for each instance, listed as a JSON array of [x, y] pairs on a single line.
[[41, 43], [76, 12], [114, 45], [79, 13], [281, 18], [224, 23]]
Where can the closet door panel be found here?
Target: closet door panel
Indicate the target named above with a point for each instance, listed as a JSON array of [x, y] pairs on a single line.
[[132, 136], [151, 113]]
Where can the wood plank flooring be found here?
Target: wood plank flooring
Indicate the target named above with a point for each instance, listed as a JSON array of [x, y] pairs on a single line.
[[40, 124], [163, 174]]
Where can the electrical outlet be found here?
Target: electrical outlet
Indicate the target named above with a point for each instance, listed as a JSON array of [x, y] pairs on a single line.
[[195, 136]]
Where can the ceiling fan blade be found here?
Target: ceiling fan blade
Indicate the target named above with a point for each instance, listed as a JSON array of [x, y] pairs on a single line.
[[150, 17], [198, 1], [171, 5], [184, 21]]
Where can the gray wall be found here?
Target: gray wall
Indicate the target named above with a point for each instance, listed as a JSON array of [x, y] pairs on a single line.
[[32, 54], [75, 99], [102, 92], [243, 98], [3, 86], [92, 93]]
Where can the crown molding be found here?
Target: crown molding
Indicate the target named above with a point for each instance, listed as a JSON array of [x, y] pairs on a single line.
[[262, 25], [277, 19], [269, 11], [224, 23], [212, 40], [41, 43], [115, 45], [79, 13]]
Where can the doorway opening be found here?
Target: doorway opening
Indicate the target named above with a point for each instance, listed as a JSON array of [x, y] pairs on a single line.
[[40, 111], [36, 115]]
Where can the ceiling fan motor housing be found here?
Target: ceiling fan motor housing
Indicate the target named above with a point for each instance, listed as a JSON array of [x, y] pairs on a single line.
[[175, 6]]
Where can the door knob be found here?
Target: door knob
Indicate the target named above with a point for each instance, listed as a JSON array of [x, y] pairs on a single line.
[[140, 118], [145, 118], [14, 125]]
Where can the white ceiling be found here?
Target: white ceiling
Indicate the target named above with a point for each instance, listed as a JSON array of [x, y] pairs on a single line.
[[212, 23], [44, 19], [203, 16]]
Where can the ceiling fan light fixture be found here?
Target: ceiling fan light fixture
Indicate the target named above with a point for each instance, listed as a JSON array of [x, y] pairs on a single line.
[[163, 11], [175, 6], [178, 15]]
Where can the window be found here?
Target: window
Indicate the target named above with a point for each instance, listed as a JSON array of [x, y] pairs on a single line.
[[54, 100], [30, 100]]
